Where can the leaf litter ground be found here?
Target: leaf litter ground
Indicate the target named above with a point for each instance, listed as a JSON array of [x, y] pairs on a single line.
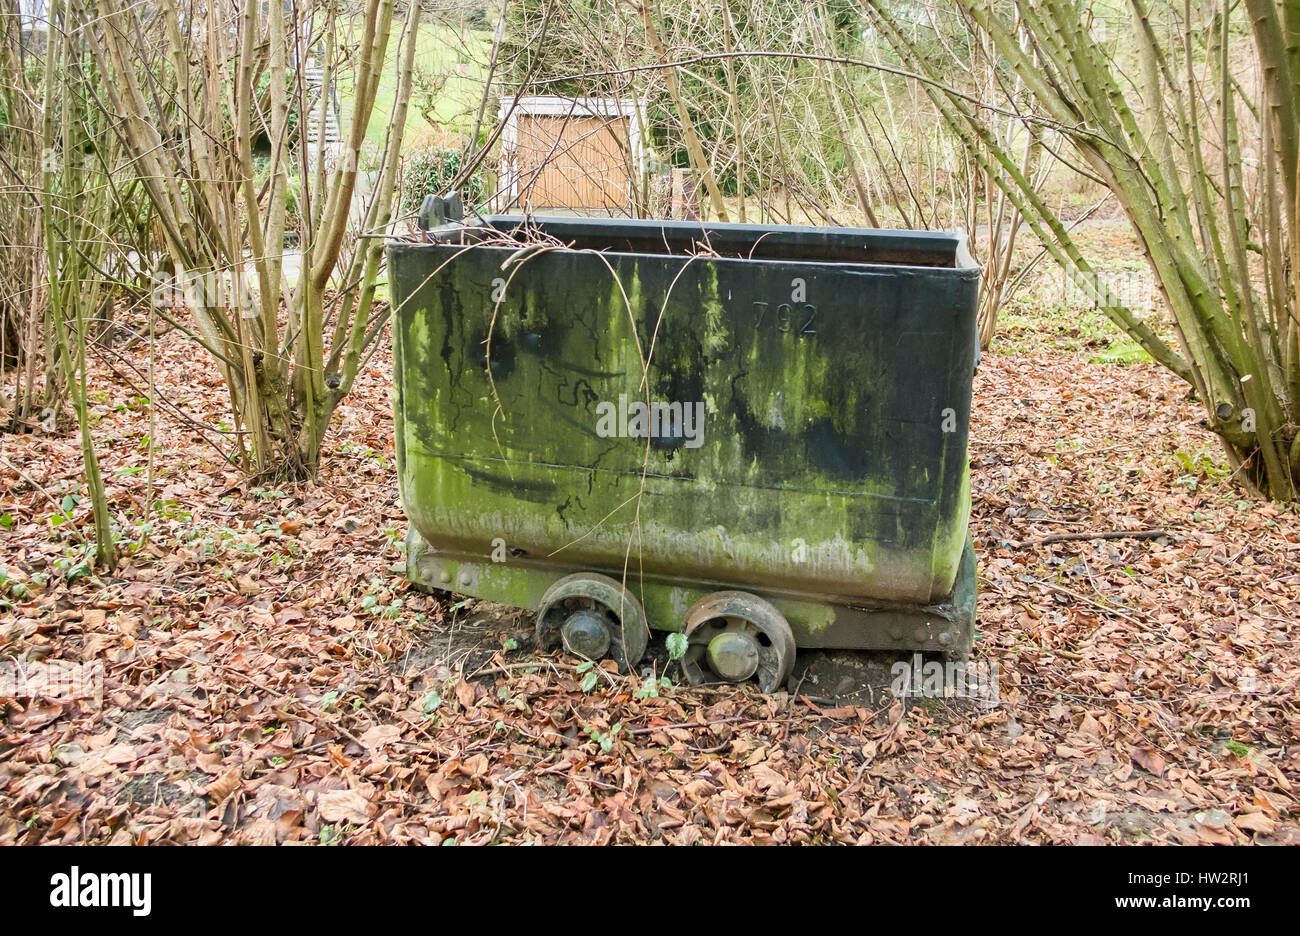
[[270, 677]]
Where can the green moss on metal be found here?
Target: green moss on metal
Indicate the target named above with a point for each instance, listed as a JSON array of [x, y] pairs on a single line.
[[807, 439]]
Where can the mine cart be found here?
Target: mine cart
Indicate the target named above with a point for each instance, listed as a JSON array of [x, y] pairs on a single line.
[[752, 435]]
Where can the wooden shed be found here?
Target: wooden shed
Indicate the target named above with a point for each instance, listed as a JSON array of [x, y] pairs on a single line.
[[573, 154]]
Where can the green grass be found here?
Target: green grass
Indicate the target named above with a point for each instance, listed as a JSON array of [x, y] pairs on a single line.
[[1034, 322], [1045, 315], [443, 101]]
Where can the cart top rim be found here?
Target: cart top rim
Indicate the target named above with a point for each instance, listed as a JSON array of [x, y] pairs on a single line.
[[794, 244]]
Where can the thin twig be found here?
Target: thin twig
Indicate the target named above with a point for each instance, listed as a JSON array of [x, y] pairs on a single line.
[[1101, 534]]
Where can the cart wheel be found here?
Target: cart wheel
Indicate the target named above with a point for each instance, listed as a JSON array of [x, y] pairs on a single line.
[[593, 616], [737, 636]]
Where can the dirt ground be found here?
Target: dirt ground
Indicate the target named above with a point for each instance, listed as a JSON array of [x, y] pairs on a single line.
[[268, 676]]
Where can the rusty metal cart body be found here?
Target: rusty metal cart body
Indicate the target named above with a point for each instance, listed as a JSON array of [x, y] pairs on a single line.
[[756, 435]]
